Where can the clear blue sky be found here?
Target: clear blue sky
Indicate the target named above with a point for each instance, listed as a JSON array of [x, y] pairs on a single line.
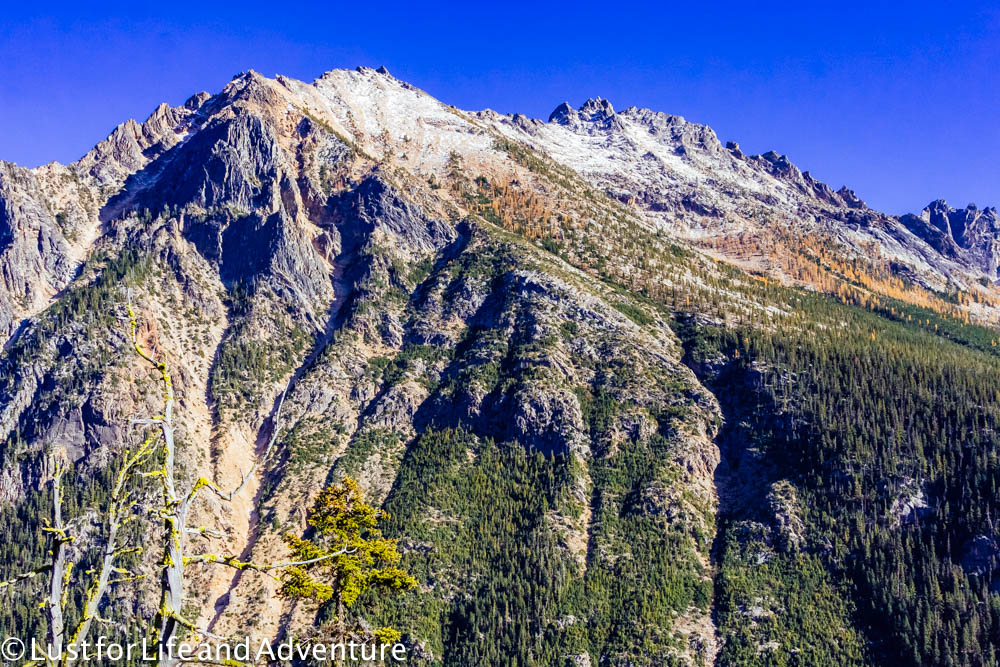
[[899, 104]]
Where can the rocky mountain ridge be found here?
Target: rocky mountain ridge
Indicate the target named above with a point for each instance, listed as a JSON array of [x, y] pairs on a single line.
[[679, 176], [676, 175]]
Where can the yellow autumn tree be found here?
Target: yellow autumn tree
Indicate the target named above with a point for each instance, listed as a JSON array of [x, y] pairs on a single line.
[[344, 554]]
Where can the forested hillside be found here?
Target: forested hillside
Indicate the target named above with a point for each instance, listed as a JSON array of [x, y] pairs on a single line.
[[592, 432]]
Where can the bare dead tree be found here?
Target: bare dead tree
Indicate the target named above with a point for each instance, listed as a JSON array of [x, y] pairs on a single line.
[[60, 569]]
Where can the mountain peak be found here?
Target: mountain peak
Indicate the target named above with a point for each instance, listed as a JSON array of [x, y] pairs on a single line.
[[850, 198], [195, 101], [562, 113], [597, 108]]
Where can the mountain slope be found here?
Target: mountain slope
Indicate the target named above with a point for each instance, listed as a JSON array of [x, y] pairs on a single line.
[[762, 212], [597, 445]]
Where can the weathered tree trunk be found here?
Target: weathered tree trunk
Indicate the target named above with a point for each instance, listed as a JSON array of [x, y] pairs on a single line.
[[176, 509], [57, 576]]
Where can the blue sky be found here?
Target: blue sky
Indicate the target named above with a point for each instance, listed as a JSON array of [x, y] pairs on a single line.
[[900, 105]]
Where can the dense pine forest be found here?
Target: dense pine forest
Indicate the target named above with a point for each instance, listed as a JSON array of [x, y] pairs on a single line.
[[859, 419], [858, 483]]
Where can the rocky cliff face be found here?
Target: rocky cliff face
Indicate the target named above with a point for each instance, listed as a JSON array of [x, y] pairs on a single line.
[[967, 235], [50, 216], [441, 296]]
